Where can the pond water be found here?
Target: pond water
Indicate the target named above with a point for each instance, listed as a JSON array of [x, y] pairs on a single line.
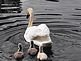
[[64, 22]]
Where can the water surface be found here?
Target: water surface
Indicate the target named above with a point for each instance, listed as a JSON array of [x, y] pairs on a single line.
[[64, 22]]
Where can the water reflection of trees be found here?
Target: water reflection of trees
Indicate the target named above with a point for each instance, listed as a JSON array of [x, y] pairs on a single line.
[[10, 1], [0, 5], [10, 6]]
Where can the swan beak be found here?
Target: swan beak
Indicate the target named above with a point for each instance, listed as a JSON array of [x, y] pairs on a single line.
[[27, 16]]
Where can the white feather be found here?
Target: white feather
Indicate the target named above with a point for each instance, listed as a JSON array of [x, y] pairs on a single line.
[[41, 30]]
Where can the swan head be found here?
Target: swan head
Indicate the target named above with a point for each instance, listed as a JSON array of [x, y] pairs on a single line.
[[29, 12], [30, 15]]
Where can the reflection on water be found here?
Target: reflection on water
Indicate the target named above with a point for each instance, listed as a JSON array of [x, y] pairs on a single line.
[[0, 5], [10, 6]]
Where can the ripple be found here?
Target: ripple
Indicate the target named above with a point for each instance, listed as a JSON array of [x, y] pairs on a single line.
[[62, 34], [65, 31]]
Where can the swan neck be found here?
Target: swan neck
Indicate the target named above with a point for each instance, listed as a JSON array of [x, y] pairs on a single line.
[[30, 20]]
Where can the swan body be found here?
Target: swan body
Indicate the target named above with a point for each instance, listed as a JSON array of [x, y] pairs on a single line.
[[38, 34]]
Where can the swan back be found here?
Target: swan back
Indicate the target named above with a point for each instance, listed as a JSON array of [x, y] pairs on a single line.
[[39, 34]]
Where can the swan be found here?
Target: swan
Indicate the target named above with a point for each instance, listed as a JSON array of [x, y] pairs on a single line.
[[32, 50], [19, 53], [41, 55], [38, 34]]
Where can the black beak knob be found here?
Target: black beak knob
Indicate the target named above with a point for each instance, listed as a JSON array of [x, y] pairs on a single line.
[[27, 16]]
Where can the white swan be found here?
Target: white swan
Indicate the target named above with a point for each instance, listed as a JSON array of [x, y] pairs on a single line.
[[38, 34]]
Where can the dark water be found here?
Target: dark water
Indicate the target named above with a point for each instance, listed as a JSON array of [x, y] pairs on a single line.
[[53, 0], [63, 19], [10, 6]]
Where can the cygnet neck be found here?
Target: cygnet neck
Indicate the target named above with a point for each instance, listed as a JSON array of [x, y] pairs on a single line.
[[41, 49], [20, 48], [31, 44]]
